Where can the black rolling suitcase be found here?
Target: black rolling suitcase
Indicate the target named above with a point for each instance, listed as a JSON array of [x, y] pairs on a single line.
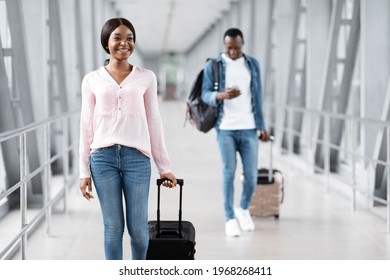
[[171, 240]]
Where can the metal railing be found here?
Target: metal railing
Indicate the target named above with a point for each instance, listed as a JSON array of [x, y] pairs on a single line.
[[50, 130], [310, 120]]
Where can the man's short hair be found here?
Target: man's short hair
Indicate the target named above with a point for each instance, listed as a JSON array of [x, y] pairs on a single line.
[[233, 32]]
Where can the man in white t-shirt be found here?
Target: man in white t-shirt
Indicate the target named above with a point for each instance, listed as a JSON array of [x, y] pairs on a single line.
[[239, 125]]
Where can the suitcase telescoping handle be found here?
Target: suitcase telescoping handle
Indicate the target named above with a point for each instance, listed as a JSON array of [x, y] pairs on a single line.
[[270, 169], [180, 182]]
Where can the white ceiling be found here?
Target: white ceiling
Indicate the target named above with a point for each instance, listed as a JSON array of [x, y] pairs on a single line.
[[170, 26]]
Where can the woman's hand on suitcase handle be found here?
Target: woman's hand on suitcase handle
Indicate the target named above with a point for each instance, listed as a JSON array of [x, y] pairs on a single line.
[[171, 180], [86, 188]]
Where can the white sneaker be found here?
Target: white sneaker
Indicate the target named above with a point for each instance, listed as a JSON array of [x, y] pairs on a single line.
[[232, 228], [244, 219]]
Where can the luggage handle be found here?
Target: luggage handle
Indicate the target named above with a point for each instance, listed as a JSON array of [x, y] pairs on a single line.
[[180, 182], [270, 170]]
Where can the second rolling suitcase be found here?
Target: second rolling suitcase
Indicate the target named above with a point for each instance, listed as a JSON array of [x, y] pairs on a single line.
[[269, 191], [171, 240]]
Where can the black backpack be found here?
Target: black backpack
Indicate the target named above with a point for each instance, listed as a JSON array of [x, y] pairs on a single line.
[[199, 113]]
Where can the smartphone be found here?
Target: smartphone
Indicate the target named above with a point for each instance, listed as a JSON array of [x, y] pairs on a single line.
[[236, 88]]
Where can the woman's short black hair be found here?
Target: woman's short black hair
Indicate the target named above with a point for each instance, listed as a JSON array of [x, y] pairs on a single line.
[[109, 26], [233, 32]]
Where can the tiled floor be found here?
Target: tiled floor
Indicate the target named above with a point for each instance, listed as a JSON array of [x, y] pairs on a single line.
[[313, 224]]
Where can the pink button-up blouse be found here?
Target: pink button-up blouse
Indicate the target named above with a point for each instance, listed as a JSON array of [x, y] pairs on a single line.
[[126, 114]]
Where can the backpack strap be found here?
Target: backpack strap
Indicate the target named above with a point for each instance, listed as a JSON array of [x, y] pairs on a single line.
[[216, 73]]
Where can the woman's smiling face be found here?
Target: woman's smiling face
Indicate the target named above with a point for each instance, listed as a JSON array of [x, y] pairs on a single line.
[[121, 43]]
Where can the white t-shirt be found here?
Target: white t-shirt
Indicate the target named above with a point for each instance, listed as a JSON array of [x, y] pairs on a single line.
[[237, 111]]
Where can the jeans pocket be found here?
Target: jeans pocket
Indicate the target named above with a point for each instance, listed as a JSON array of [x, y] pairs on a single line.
[[99, 151]]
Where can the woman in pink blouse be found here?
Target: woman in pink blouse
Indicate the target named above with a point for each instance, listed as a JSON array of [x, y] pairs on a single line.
[[120, 130]]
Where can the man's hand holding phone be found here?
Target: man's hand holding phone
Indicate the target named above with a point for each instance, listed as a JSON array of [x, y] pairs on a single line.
[[229, 93]]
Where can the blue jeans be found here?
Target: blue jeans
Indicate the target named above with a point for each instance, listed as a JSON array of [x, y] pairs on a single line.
[[116, 170], [246, 143]]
